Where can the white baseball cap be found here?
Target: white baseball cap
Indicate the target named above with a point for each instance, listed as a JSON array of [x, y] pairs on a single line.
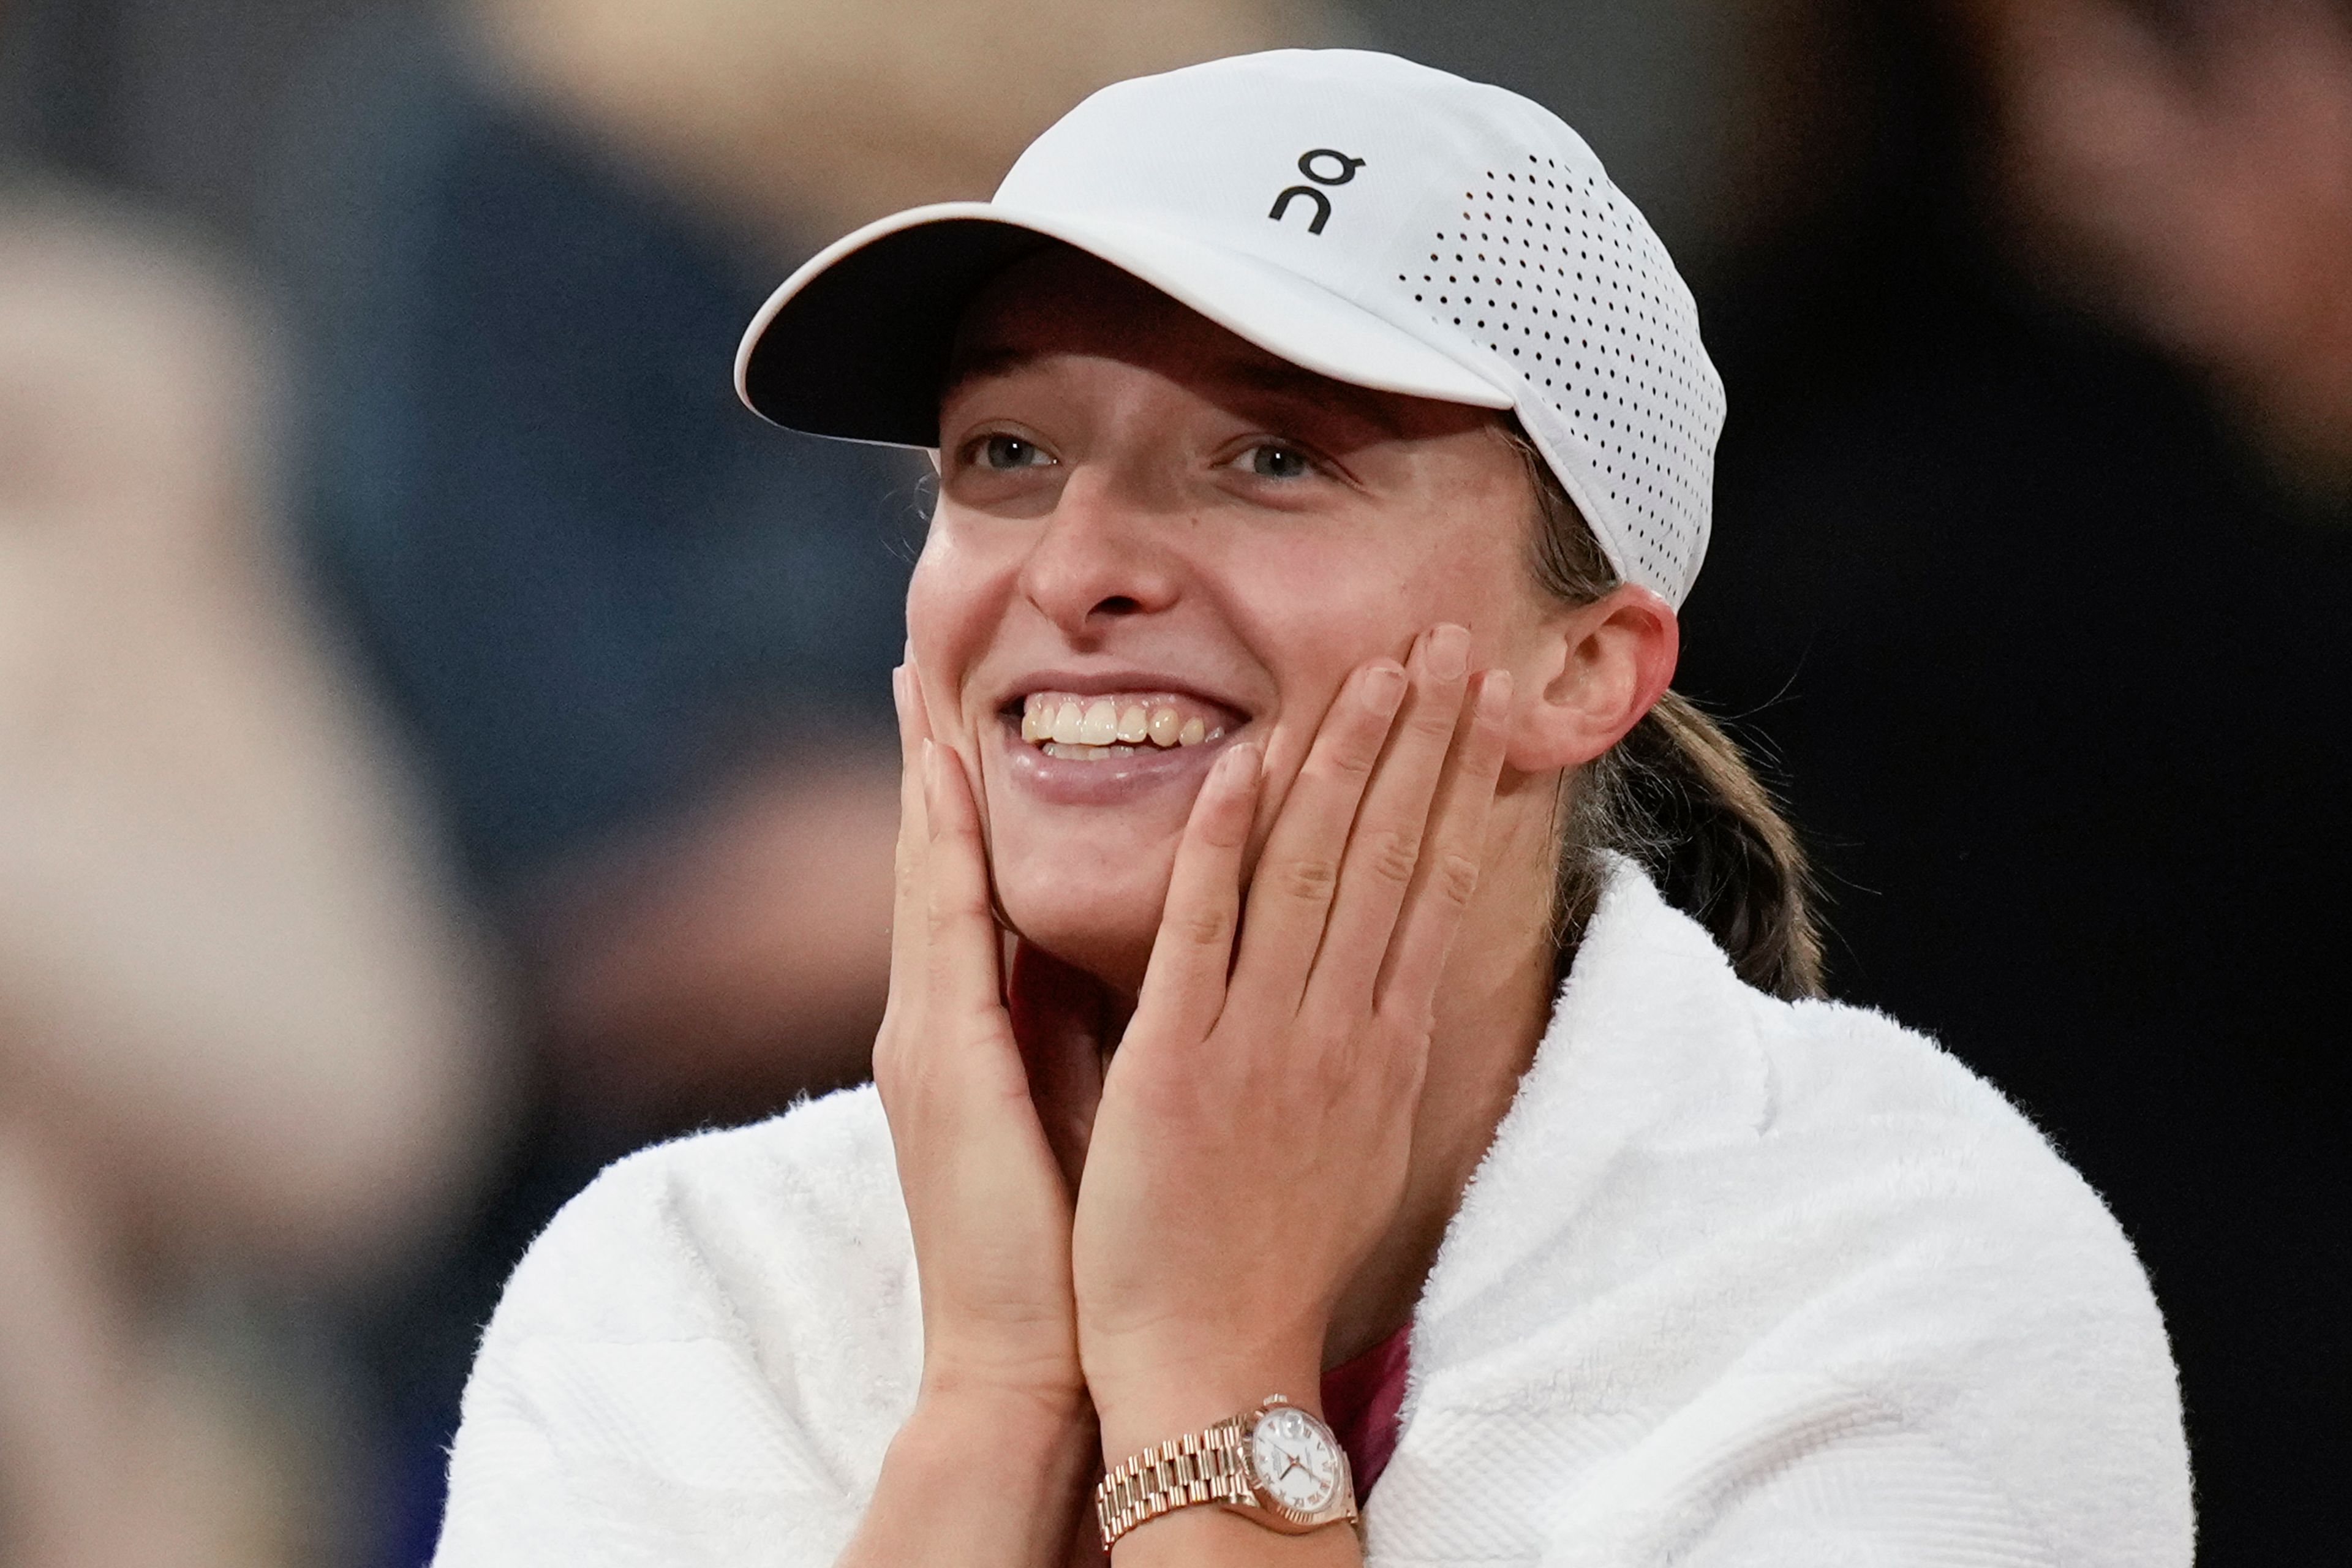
[[1366, 218]]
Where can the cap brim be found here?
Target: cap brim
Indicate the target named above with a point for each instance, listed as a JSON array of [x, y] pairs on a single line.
[[855, 343]]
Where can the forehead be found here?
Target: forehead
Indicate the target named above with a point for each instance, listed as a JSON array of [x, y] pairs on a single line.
[[1062, 302]]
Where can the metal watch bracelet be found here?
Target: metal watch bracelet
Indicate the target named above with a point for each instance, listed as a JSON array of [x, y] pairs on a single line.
[[1200, 1467], [1244, 1463]]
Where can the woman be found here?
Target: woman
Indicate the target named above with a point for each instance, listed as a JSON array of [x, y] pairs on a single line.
[[1324, 447]]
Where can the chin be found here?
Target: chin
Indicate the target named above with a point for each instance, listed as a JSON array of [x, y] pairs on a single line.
[[1102, 925]]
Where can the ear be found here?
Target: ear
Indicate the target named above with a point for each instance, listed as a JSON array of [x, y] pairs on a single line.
[[1600, 666]]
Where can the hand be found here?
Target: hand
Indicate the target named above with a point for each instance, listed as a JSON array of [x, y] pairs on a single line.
[[1257, 1123], [989, 1204]]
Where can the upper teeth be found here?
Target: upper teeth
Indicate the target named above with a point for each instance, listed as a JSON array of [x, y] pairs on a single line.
[[1058, 719]]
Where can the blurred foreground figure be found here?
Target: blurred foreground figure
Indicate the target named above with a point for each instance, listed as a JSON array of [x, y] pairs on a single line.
[[2186, 167], [641, 641], [644, 647], [799, 119], [240, 1040], [2059, 389]]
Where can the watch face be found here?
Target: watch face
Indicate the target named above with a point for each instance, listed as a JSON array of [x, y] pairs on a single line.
[[1297, 1464]]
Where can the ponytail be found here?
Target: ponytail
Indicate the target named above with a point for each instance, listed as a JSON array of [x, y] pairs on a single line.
[[1676, 797]]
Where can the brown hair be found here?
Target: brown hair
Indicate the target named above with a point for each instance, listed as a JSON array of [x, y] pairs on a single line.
[[1676, 795]]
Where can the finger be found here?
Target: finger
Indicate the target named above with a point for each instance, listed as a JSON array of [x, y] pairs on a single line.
[[1184, 983], [1384, 847], [960, 934], [1290, 893], [1448, 876], [910, 901]]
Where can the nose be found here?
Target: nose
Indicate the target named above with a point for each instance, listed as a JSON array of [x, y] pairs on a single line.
[[1102, 556]]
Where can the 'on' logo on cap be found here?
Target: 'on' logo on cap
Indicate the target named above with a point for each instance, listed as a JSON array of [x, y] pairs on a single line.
[[1324, 166]]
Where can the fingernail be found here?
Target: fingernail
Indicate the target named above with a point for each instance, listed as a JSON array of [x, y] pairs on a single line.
[[931, 767], [1494, 696], [1237, 769], [1384, 687], [1449, 652]]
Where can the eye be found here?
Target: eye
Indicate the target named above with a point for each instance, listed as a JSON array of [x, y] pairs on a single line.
[[1004, 454], [1275, 460]]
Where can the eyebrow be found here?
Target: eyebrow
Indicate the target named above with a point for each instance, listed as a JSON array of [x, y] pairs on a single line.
[[1284, 380], [1276, 378], [971, 364]]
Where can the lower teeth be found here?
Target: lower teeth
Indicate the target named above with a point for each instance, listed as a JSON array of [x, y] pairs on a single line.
[[1078, 753]]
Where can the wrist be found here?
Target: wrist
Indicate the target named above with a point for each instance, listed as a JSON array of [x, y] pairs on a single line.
[[1023, 1420], [1147, 1401], [1019, 1458], [979, 1476]]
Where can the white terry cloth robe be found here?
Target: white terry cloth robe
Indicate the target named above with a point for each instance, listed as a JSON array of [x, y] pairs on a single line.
[[1740, 1282]]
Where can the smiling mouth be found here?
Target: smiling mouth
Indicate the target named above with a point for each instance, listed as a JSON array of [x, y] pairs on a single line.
[[1094, 728]]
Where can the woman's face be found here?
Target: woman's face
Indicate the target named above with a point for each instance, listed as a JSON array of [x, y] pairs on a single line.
[[1153, 540]]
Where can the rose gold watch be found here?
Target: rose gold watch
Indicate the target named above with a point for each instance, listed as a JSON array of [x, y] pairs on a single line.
[[1276, 1464]]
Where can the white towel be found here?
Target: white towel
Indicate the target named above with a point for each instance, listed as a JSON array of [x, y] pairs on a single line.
[[1740, 1282]]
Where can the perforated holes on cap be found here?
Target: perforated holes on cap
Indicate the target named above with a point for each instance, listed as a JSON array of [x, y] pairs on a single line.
[[1559, 276]]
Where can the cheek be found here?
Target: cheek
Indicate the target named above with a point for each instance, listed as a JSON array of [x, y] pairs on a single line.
[[953, 603], [1473, 569], [1314, 611]]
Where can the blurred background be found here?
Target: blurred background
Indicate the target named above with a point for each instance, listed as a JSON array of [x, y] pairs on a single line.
[[443, 740]]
